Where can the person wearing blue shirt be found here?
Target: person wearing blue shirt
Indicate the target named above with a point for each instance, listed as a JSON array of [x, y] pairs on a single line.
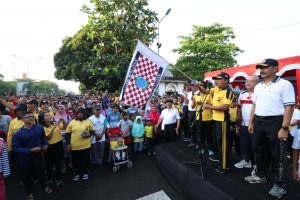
[[29, 142], [114, 117]]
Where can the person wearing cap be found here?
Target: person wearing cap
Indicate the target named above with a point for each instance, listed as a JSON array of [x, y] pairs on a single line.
[[78, 140], [272, 109], [98, 140], [44, 107], [32, 106], [221, 101], [170, 120], [89, 108]]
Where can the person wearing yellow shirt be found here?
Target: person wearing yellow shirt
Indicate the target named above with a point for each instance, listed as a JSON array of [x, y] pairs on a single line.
[[32, 106], [44, 107], [233, 109], [78, 139], [204, 121], [149, 134], [54, 155], [15, 124], [221, 101]]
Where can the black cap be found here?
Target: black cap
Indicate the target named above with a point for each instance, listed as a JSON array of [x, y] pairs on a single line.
[[21, 106], [97, 107], [44, 101], [222, 75], [267, 62], [33, 101], [80, 109], [169, 100]]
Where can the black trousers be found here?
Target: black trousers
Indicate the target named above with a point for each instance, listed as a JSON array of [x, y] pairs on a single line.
[[221, 138], [204, 130], [185, 122], [192, 127], [31, 169], [170, 133], [267, 147], [54, 159], [81, 161]]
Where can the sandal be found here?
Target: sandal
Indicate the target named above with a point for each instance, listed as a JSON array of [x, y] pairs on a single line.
[[30, 197], [48, 190]]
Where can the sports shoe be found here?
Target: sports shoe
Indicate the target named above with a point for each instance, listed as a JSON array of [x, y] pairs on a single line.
[[201, 151], [277, 191], [85, 177], [255, 179], [213, 158], [191, 145], [243, 164], [197, 147], [210, 153], [76, 177], [185, 139]]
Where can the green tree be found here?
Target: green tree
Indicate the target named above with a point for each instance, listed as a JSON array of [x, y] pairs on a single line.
[[7, 87], [98, 55], [208, 48]]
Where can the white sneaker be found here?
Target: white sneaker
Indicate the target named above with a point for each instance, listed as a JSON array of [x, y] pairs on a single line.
[[243, 164]]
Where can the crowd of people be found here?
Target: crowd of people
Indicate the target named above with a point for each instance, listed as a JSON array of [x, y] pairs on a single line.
[[43, 136]]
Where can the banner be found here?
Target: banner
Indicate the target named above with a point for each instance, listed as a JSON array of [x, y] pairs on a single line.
[[143, 76], [21, 88]]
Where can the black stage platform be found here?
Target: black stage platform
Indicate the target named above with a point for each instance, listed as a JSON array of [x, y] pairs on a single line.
[[187, 181]]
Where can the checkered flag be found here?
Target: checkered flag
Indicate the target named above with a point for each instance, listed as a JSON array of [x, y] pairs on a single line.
[[143, 76]]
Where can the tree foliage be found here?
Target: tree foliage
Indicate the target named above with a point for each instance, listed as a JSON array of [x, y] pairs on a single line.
[[208, 48], [98, 55]]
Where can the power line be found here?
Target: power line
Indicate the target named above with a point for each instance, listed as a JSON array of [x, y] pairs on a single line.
[[269, 28]]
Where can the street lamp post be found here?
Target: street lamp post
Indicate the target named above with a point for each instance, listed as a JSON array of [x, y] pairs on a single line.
[[159, 43], [27, 63]]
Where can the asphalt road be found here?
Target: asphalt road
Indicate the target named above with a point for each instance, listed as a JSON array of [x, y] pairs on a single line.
[[128, 184]]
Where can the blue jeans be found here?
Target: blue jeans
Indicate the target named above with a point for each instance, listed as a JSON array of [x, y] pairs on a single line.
[[138, 146]]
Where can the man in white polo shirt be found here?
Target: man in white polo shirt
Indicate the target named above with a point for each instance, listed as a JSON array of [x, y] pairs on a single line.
[[170, 120], [273, 105]]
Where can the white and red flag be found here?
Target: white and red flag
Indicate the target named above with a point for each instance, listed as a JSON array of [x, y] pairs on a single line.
[[143, 76]]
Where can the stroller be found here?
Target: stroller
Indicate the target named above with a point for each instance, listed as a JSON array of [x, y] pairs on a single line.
[[119, 151]]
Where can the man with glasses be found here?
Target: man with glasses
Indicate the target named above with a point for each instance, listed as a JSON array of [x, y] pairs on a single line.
[[272, 109], [29, 142]]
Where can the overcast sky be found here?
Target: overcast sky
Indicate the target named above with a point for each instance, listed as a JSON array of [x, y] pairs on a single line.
[[34, 29]]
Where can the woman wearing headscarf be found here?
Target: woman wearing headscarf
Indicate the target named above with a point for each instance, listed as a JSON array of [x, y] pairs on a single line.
[[137, 133], [55, 153], [79, 132]]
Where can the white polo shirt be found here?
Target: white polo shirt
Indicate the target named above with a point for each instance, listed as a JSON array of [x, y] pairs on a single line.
[[169, 116], [245, 101], [270, 99], [189, 98], [99, 124]]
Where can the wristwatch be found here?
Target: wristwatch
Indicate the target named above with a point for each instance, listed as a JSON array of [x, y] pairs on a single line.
[[286, 128]]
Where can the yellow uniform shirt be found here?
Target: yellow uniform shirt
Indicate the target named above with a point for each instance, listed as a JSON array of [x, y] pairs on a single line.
[[149, 131], [14, 126], [221, 97], [56, 137], [233, 114], [76, 127], [207, 113]]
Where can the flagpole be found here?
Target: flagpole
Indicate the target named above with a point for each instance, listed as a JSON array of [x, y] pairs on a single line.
[[186, 76]]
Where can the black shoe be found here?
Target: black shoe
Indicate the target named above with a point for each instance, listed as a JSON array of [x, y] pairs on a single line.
[[222, 171]]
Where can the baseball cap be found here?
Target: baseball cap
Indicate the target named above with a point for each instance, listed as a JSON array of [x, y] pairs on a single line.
[[89, 102], [267, 62], [21, 107], [44, 101], [33, 101], [222, 75], [97, 107]]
